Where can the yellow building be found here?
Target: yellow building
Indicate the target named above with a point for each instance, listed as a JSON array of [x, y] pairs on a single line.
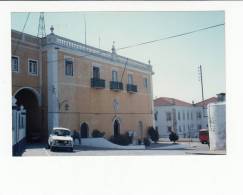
[[64, 83]]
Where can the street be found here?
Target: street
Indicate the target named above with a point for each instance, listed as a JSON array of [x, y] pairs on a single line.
[[161, 148]]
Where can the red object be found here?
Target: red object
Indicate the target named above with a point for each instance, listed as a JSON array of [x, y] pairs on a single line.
[[203, 136]]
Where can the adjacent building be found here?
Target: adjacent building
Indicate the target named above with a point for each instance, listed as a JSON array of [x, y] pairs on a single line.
[[184, 118], [65, 83]]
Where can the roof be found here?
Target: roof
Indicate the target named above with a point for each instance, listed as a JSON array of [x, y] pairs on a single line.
[[165, 101], [60, 128], [207, 101]]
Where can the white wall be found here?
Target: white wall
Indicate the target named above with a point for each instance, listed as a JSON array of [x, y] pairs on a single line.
[[184, 127]]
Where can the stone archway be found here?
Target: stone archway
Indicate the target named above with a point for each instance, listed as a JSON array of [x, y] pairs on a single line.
[[84, 130], [29, 99]]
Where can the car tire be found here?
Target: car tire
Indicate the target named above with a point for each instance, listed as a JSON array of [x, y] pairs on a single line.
[[52, 148], [71, 149]]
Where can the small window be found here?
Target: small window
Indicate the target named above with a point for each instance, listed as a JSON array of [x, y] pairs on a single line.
[[168, 116], [187, 115], [68, 67], [199, 115], [114, 75], [191, 116], [130, 79], [199, 127], [33, 67], [169, 128], [145, 83], [183, 115], [179, 116], [96, 72], [15, 64], [156, 115]]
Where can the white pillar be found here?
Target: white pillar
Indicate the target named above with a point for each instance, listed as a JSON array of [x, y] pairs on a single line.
[[53, 99]]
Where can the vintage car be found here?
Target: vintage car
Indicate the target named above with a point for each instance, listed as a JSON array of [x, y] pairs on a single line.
[[60, 138]]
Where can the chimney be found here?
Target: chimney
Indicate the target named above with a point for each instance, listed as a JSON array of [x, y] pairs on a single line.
[[221, 97]]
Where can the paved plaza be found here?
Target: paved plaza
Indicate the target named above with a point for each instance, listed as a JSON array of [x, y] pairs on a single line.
[[161, 148]]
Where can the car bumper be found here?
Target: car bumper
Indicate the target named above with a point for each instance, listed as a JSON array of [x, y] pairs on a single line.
[[58, 145]]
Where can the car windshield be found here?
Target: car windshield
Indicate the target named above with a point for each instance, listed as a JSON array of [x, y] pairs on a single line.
[[61, 132]]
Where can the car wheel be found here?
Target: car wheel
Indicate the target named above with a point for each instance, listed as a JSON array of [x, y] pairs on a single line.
[[71, 149], [52, 148]]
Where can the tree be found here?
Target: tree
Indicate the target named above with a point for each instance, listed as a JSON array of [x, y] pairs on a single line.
[[173, 137], [153, 134]]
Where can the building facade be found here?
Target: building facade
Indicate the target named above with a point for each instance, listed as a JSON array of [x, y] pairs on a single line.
[[181, 117], [64, 83]]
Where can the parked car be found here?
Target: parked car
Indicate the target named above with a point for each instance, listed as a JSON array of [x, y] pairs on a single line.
[[60, 138], [203, 136]]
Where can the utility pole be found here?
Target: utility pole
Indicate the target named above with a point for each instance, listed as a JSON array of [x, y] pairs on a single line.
[[85, 41], [41, 28], [201, 80], [99, 42]]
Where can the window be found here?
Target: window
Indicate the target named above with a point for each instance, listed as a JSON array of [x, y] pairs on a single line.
[[183, 115], [145, 83], [96, 72], [168, 116], [187, 115], [156, 115], [33, 67], [114, 75], [199, 115], [184, 128], [130, 79], [169, 128], [199, 127], [191, 116], [15, 64], [68, 67], [179, 128], [179, 116]]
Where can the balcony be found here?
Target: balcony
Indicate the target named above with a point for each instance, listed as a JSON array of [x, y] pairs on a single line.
[[132, 88], [97, 83], [116, 86]]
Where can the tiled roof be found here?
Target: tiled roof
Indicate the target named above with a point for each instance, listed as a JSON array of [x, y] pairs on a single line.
[[165, 101], [207, 101]]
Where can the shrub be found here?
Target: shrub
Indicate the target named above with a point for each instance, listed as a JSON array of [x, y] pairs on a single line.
[[122, 139], [153, 134], [146, 142], [97, 133], [173, 137]]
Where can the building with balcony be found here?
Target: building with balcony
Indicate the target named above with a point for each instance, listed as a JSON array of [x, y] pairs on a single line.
[[65, 83], [186, 119]]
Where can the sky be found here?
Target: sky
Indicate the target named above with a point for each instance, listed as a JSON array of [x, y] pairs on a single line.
[[175, 61]]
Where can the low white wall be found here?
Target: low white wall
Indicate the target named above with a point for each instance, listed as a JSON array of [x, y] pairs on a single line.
[[103, 143]]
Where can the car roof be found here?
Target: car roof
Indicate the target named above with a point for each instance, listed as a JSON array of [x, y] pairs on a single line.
[[61, 128]]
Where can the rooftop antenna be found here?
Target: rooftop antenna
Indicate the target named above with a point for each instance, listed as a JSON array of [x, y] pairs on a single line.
[[41, 27]]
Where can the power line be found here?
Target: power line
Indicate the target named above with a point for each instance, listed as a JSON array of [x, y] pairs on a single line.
[[170, 37], [143, 43], [22, 32]]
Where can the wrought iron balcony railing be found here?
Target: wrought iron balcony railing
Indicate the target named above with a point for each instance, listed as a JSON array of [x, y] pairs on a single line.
[[132, 88], [116, 86], [97, 83]]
